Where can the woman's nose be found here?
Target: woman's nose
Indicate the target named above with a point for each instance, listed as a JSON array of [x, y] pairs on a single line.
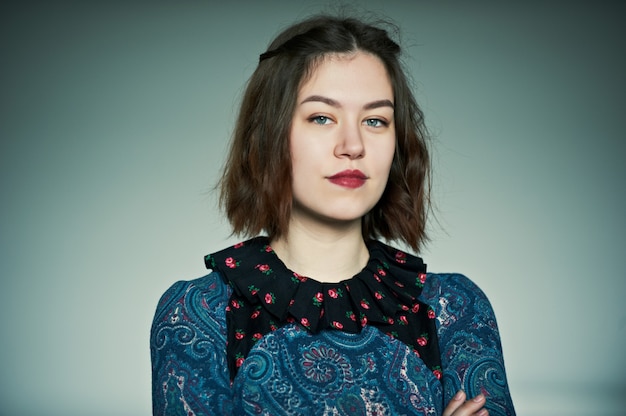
[[350, 142]]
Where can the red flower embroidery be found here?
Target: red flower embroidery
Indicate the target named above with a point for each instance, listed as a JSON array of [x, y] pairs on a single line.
[[403, 320], [300, 277], [304, 322], [415, 308], [236, 303], [257, 336], [238, 245], [231, 262], [334, 293], [437, 373], [318, 299], [401, 257], [390, 321], [239, 361], [431, 313], [263, 268], [351, 315], [365, 304], [423, 340], [376, 277], [337, 325], [382, 272], [268, 249], [240, 334], [255, 314], [422, 278], [269, 298], [378, 295], [363, 320]]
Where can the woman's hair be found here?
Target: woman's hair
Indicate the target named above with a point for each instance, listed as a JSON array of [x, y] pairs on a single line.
[[255, 189]]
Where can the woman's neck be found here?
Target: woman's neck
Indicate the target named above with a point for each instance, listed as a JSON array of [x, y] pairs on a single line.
[[326, 254]]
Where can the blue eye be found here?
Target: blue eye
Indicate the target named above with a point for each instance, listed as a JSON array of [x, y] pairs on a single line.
[[321, 120], [375, 122]]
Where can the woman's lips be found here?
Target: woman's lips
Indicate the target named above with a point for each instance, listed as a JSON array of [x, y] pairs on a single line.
[[348, 178]]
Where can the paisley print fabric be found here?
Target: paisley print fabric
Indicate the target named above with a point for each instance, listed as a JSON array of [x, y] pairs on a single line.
[[267, 295], [470, 343], [188, 350], [292, 371]]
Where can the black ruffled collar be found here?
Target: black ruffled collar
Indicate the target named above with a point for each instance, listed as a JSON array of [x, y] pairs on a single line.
[[267, 295]]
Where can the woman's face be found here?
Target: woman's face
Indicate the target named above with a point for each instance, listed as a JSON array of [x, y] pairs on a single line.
[[342, 139]]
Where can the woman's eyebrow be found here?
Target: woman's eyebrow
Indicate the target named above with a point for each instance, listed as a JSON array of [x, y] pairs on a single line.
[[336, 104], [322, 99], [378, 104]]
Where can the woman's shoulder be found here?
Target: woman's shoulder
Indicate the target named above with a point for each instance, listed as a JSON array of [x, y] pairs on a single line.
[[188, 348], [448, 285], [457, 300], [210, 285], [442, 283], [205, 297]]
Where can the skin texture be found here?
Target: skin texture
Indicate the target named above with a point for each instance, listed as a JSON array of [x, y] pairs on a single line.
[[459, 406], [344, 120]]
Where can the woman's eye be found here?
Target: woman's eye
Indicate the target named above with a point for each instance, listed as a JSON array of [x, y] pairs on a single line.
[[375, 122], [321, 120]]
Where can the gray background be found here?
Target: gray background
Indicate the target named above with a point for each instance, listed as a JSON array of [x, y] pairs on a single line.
[[114, 123]]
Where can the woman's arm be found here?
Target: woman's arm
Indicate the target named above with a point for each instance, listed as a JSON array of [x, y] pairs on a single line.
[[469, 342], [188, 350]]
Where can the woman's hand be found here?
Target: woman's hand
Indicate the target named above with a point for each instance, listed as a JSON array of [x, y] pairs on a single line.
[[458, 406]]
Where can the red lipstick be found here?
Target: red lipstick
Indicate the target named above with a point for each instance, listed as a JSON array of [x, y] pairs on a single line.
[[348, 178]]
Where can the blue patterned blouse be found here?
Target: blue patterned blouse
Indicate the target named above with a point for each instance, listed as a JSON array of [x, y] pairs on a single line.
[[293, 371]]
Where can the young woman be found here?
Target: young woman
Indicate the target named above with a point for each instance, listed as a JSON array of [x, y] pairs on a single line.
[[317, 316]]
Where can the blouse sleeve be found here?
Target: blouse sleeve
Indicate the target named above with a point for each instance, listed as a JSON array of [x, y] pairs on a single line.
[[471, 351], [187, 346]]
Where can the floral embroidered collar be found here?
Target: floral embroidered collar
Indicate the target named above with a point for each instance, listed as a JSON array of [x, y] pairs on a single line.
[[267, 295]]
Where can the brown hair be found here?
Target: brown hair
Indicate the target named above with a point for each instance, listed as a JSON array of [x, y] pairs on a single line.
[[255, 189]]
